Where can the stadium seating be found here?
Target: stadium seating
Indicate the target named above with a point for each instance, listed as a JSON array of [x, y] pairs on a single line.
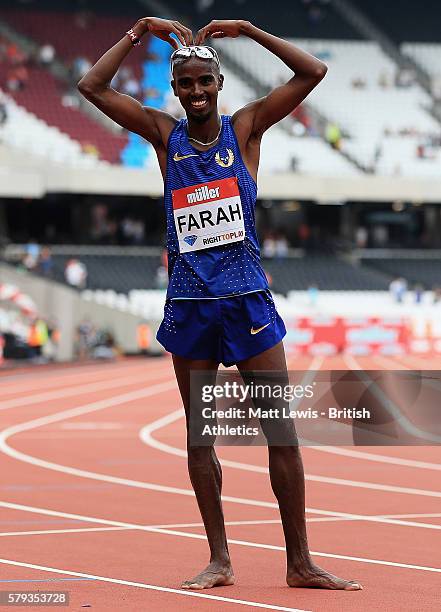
[[123, 273], [281, 151], [118, 272], [69, 38], [41, 96], [424, 271], [427, 55], [374, 117], [43, 93], [26, 133], [326, 272]]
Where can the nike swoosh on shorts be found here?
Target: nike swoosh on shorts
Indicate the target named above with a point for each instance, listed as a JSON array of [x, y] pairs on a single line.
[[259, 329]]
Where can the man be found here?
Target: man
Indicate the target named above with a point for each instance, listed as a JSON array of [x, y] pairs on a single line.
[[218, 309]]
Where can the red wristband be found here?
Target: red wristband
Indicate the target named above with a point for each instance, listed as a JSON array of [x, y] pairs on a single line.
[[134, 38]]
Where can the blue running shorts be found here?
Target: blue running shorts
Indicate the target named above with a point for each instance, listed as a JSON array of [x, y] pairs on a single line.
[[226, 330]]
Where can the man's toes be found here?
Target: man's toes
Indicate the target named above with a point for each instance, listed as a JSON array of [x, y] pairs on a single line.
[[353, 585], [190, 584]]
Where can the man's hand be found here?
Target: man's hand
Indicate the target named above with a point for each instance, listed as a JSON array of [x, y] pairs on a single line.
[[220, 28], [163, 28]]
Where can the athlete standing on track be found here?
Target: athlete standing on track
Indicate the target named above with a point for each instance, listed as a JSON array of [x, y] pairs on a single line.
[[218, 309]]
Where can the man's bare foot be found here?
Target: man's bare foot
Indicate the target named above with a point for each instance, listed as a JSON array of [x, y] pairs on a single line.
[[315, 577], [213, 575]]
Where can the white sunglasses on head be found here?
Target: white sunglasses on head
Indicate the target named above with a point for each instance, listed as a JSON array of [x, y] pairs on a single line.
[[202, 52]]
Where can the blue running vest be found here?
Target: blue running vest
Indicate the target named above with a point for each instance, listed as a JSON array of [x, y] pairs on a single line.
[[209, 197]]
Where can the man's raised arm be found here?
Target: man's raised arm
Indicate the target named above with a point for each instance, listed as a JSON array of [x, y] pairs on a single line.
[[150, 123], [279, 103]]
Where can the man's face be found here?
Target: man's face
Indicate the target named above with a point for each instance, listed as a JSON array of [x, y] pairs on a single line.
[[197, 83]]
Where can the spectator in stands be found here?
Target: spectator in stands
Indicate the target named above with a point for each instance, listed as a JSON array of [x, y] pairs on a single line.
[[75, 273], [313, 294], [361, 237], [46, 55], [131, 87], [80, 66], [436, 295], [91, 149], [45, 262], [15, 55], [69, 99], [333, 135], [398, 288], [269, 246], [31, 255], [358, 82], [419, 293], [281, 244], [85, 336], [405, 77], [161, 278], [132, 231], [17, 78], [304, 234], [380, 235], [37, 338], [384, 80]]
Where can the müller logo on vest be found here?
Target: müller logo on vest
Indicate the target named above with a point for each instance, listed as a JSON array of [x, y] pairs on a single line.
[[208, 215]]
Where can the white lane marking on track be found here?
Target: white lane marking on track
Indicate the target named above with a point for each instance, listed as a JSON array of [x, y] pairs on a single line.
[[184, 534], [6, 534], [328, 519], [33, 382], [73, 391], [128, 397], [378, 458], [146, 436], [151, 587]]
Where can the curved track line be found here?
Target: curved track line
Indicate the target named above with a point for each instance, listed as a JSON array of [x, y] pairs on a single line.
[[197, 536], [146, 436], [151, 587], [127, 397], [335, 450]]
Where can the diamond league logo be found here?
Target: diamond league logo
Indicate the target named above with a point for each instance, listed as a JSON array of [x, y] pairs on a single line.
[[190, 239]]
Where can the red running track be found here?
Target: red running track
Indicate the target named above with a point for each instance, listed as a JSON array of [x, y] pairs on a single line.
[[89, 506]]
